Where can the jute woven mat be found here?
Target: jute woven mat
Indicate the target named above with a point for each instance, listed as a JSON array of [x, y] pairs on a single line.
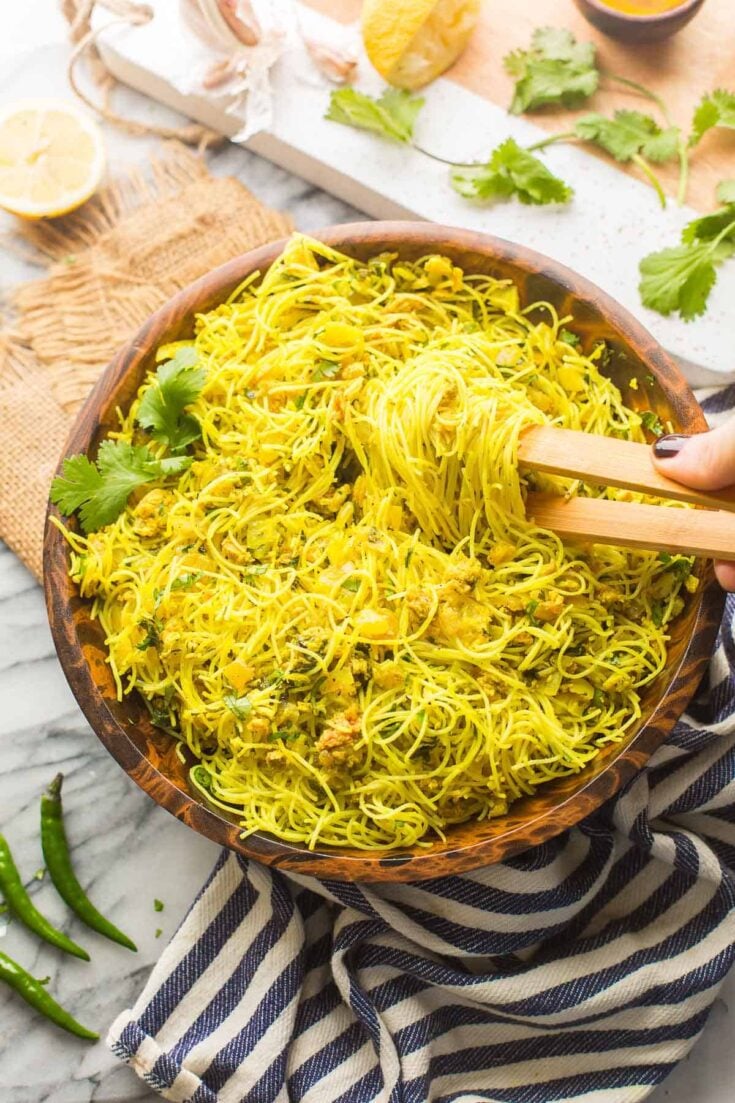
[[110, 265]]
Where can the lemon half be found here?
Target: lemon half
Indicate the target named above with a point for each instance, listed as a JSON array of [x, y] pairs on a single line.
[[410, 42], [51, 158]]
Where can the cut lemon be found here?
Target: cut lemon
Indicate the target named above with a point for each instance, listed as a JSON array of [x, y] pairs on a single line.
[[51, 158], [412, 41]]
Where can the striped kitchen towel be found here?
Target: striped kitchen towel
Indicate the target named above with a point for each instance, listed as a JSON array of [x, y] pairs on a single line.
[[581, 970]]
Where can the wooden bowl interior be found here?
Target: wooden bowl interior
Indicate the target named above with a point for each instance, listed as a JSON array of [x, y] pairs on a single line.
[[149, 754]]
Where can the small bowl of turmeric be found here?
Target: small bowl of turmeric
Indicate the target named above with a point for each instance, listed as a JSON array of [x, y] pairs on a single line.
[[639, 20]]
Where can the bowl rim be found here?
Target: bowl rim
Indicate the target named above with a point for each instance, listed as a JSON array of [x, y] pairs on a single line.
[[644, 20], [333, 863]]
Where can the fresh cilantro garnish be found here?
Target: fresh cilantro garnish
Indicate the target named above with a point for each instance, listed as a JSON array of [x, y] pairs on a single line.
[[627, 134], [711, 226], [568, 337], [100, 490], [725, 191], [241, 707], [299, 401], [185, 580], [511, 171], [285, 735], [177, 384], [159, 932], [152, 628], [681, 277], [274, 678], [201, 777], [715, 109], [556, 69], [657, 613], [652, 422], [326, 369], [531, 609], [679, 565], [158, 905], [351, 584], [254, 570], [392, 115], [632, 136]]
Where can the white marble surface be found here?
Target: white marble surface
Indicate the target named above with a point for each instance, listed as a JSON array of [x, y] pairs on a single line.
[[129, 852]]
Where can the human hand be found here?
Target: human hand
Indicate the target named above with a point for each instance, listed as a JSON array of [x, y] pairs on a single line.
[[705, 461]]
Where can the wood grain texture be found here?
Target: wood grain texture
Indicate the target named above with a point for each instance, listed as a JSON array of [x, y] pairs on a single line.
[[680, 70], [606, 461], [709, 533], [148, 754]]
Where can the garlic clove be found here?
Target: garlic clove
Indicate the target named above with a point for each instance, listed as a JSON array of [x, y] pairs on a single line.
[[241, 19], [338, 65], [224, 25]]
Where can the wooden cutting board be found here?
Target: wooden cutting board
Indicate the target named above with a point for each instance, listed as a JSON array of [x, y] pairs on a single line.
[[680, 69]]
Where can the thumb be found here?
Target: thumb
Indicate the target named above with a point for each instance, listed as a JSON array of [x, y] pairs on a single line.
[[704, 461]]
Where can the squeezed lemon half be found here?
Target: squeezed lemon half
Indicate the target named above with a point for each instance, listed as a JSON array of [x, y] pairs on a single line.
[[51, 158], [410, 42]]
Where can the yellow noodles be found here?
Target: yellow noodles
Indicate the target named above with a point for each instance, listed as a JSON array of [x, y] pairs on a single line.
[[341, 608]]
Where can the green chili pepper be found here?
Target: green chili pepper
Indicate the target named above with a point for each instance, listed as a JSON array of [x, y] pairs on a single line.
[[58, 862], [34, 993], [22, 906]]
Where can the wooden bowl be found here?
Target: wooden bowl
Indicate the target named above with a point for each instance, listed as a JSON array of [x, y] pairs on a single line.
[[638, 28], [148, 754]]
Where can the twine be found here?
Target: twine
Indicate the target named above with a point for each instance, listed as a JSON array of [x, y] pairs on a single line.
[[79, 16]]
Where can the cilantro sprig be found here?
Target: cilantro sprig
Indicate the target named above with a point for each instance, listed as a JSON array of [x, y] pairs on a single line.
[[556, 69], [162, 408], [99, 490], [680, 278], [510, 171], [393, 115], [715, 109]]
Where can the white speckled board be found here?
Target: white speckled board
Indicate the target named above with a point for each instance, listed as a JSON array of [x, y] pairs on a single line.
[[613, 221]]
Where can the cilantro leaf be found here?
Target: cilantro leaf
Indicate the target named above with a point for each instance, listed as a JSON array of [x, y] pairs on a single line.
[[726, 191], [556, 69], [651, 421], [711, 226], [681, 278], [628, 134], [100, 491], [161, 411], [241, 707], [392, 115], [663, 146], [715, 109], [511, 171]]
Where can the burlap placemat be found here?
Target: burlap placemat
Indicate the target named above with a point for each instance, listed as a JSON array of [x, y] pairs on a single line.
[[109, 266]]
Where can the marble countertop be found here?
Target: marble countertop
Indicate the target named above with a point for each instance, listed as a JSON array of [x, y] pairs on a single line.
[[127, 851]]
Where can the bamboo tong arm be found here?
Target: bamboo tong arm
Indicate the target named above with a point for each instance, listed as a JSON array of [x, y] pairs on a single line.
[[607, 461], [610, 462], [635, 525]]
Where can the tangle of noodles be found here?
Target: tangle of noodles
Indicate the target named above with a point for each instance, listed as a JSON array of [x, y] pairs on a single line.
[[341, 608]]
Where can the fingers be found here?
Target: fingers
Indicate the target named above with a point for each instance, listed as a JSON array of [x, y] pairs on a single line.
[[726, 575], [705, 461]]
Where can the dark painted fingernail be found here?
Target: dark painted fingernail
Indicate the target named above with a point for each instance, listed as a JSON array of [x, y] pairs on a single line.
[[665, 448]]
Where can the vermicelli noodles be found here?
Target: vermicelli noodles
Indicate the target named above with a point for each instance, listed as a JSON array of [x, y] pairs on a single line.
[[341, 607]]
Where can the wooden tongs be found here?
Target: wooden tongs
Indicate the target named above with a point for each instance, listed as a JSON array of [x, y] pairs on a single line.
[[606, 461]]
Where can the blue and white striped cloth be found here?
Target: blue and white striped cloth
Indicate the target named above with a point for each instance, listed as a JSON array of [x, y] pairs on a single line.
[[581, 970]]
